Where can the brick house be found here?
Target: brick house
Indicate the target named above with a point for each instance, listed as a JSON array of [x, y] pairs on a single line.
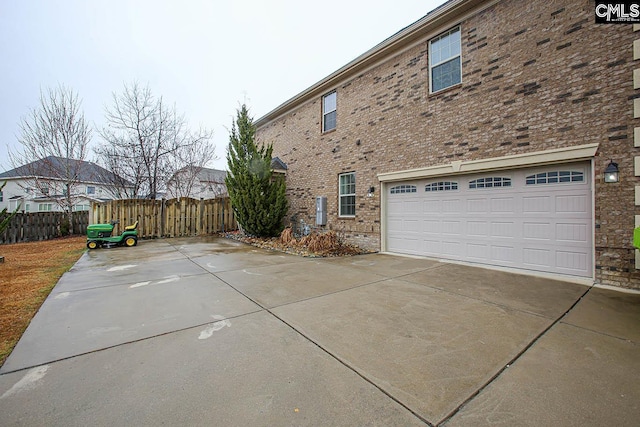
[[480, 134]]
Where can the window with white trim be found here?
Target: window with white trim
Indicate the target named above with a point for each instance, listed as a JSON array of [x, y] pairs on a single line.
[[441, 186], [490, 182], [347, 194], [554, 177], [44, 207], [329, 110], [401, 189], [91, 189], [1, 196], [445, 60]]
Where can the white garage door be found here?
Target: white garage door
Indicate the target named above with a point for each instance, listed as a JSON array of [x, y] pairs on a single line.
[[535, 219]]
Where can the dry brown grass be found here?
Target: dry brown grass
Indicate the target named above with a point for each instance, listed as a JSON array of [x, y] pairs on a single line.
[[29, 272]]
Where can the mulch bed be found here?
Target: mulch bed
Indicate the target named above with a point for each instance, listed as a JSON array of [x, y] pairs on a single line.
[[296, 248]]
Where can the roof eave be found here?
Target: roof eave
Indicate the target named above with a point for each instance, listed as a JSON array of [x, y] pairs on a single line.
[[448, 12]]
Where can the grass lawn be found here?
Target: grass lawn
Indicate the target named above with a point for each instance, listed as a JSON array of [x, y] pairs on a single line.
[[27, 276]]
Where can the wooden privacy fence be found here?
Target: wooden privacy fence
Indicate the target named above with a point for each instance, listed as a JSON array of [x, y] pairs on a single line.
[[167, 218], [27, 227]]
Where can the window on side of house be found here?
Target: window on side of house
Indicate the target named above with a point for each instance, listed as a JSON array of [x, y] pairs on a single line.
[[91, 189], [329, 109], [347, 194], [1, 196], [44, 207], [445, 60]]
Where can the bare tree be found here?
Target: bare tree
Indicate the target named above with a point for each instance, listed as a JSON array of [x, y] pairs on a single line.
[[146, 142], [54, 138], [188, 163]]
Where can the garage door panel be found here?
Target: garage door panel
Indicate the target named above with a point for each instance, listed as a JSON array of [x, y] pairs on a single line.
[[536, 224], [502, 205], [431, 206], [502, 229], [451, 228], [431, 226], [451, 206], [537, 230], [477, 205], [477, 252], [477, 228], [504, 254], [536, 204], [571, 232], [572, 261], [452, 248], [571, 204], [537, 257], [431, 247], [411, 225]]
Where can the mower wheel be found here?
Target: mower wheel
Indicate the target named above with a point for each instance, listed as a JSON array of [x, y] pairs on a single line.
[[92, 244], [130, 241]]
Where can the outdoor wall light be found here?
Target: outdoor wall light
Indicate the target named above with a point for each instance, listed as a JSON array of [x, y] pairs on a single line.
[[371, 191], [611, 173]]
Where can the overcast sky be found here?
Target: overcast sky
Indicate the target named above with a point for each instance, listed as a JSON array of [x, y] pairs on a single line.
[[205, 56]]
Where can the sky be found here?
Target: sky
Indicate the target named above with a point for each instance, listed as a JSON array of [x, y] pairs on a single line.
[[205, 57]]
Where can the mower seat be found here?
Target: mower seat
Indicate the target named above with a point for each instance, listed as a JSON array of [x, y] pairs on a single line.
[[131, 227]]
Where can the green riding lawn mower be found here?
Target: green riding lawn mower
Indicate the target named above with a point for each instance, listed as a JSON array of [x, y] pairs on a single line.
[[99, 235]]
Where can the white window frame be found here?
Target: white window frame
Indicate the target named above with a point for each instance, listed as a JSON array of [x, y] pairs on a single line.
[[326, 112], [91, 189], [342, 196], [439, 61], [48, 207]]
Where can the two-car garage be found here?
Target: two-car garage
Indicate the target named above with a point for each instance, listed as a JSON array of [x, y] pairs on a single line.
[[534, 218]]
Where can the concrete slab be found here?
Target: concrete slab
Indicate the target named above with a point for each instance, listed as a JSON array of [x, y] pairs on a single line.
[[200, 246], [276, 285], [239, 260], [384, 264], [77, 322], [570, 377], [127, 271], [251, 371], [147, 250], [378, 340], [595, 312], [549, 298], [427, 348]]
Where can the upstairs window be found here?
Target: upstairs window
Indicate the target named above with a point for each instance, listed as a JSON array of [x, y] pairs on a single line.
[[347, 192], [329, 107], [91, 189], [445, 60], [1, 196]]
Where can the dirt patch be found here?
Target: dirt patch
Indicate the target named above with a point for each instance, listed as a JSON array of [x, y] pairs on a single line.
[[27, 275], [327, 244]]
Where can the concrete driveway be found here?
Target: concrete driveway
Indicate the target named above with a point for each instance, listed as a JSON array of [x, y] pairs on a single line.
[[214, 332]]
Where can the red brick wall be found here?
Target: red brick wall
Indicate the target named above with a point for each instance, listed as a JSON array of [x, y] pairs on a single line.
[[537, 75]]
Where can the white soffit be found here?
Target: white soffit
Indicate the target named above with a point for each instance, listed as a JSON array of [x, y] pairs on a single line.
[[558, 155]]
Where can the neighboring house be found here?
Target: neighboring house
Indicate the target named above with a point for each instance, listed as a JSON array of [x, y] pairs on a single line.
[[205, 183], [480, 134], [36, 187], [198, 183]]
